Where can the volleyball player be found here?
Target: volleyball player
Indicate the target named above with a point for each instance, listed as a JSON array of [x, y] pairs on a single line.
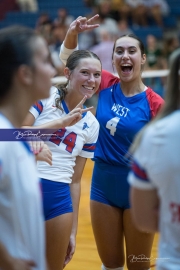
[[73, 145], [125, 105]]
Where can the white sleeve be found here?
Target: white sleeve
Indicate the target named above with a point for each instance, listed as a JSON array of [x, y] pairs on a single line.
[[90, 144], [65, 53], [37, 108], [144, 159]]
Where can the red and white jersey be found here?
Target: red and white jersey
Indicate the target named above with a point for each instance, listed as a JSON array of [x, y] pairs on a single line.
[[21, 215], [156, 165], [77, 140]]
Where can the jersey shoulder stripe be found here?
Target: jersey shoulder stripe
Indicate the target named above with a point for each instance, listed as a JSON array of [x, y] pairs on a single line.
[[155, 102], [139, 172], [89, 147], [38, 106]]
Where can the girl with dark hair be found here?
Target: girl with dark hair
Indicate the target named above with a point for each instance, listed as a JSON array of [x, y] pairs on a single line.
[[71, 148], [125, 105], [25, 77]]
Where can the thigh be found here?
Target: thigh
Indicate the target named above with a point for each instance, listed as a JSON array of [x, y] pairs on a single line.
[[138, 244], [110, 186], [58, 232], [108, 232], [56, 198]]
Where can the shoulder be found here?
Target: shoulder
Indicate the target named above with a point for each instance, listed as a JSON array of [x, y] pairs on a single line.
[[155, 101], [91, 119], [107, 80]]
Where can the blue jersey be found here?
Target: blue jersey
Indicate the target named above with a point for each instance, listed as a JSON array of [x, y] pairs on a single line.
[[120, 118]]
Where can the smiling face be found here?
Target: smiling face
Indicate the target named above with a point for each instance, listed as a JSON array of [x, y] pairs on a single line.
[[85, 78], [128, 58]]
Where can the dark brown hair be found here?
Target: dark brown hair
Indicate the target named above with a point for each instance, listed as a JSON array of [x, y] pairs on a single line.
[[141, 45], [16, 49]]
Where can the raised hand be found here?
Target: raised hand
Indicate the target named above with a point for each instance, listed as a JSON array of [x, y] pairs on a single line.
[[82, 24]]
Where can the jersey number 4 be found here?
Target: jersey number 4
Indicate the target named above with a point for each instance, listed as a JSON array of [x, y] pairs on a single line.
[[69, 140], [112, 124]]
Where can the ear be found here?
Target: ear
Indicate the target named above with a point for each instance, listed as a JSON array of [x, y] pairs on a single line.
[[25, 75], [67, 72], [143, 59]]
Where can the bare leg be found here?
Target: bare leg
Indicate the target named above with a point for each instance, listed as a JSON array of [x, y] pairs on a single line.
[[58, 232], [107, 223], [138, 244]]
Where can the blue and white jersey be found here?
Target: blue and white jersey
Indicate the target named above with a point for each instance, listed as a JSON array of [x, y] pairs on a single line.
[[120, 118], [21, 215], [156, 165], [77, 140]]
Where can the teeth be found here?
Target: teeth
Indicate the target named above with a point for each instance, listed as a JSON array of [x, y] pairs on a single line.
[[126, 65], [89, 88]]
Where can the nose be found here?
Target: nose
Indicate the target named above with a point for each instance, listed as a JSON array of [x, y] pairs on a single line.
[[91, 78], [125, 54]]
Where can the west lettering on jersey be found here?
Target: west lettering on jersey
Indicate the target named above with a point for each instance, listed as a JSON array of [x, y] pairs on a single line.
[[175, 212], [120, 110]]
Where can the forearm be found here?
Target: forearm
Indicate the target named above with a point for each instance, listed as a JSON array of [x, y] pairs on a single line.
[[55, 124], [5, 258], [75, 195], [71, 39]]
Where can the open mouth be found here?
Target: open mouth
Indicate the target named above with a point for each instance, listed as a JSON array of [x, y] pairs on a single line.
[[126, 68]]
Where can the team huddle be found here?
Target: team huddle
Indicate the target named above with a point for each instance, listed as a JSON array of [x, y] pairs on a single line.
[[132, 139]]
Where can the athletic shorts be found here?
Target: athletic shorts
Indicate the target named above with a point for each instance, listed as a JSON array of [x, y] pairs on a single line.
[[56, 198], [110, 186]]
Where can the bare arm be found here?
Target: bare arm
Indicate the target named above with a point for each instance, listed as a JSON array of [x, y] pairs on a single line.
[[75, 194], [70, 119], [79, 25], [145, 205], [7, 262]]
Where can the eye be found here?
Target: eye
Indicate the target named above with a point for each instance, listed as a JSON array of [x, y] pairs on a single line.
[[84, 72], [97, 75], [132, 51], [119, 51]]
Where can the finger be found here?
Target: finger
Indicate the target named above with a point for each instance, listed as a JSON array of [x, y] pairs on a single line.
[[49, 161], [95, 17], [81, 102], [87, 109], [34, 147], [41, 145], [38, 146]]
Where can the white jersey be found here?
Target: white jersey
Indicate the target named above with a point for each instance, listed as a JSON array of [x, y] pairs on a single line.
[[157, 165], [21, 215], [77, 140]]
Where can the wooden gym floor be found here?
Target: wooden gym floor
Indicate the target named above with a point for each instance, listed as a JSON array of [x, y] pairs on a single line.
[[86, 256]]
